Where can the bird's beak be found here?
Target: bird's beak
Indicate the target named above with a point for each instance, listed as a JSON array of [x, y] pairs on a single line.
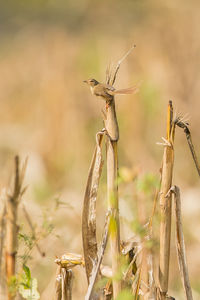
[[85, 81]]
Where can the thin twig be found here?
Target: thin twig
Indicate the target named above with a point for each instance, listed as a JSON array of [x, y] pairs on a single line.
[[28, 218], [108, 73], [126, 273], [119, 63]]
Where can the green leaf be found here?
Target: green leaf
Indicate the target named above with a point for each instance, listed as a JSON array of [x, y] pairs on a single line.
[[30, 293], [27, 272], [27, 278], [28, 285]]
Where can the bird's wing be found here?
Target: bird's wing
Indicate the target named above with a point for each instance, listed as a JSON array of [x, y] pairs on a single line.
[[108, 87]]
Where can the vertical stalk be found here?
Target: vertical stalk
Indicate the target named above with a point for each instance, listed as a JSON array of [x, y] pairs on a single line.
[[112, 188], [165, 204], [11, 223], [180, 246], [11, 240], [58, 285], [2, 237], [12, 230], [67, 284]]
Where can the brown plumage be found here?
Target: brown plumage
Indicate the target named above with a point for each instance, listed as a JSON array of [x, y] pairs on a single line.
[[107, 91]]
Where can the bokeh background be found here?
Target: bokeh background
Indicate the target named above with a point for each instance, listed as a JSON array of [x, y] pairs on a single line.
[[47, 49]]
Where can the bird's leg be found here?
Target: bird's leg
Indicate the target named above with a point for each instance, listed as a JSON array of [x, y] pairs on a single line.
[[108, 103]]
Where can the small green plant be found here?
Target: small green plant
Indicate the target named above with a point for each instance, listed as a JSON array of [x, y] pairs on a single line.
[[28, 285], [147, 183], [23, 283], [125, 294]]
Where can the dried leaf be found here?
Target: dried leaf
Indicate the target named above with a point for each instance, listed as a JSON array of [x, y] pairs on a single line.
[[97, 263], [89, 208]]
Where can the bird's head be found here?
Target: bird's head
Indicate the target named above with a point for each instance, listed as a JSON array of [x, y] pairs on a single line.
[[92, 82]]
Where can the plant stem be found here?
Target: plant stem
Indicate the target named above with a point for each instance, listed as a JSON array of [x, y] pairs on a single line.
[[112, 188], [165, 204], [2, 237], [11, 223], [58, 284], [180, 245]]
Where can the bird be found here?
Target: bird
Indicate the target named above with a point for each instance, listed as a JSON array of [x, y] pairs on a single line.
[[107, 91]]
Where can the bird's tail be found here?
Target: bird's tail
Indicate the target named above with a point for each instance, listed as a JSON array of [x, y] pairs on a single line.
[[131, 90]]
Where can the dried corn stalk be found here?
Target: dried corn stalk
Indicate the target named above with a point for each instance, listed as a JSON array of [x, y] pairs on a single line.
[[165, 203], [180, 245]]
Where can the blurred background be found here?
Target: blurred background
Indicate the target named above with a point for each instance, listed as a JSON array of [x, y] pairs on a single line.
[[47, 49]]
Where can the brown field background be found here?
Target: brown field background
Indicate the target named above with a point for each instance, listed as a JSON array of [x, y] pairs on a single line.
[[47, 49]]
